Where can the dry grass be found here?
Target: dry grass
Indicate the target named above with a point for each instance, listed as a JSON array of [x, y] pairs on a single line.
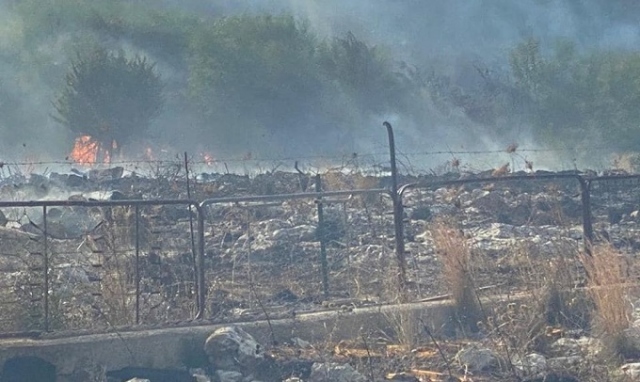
[[455, 255], [608, 282], [629, 162], [406, 328], [501, 171]]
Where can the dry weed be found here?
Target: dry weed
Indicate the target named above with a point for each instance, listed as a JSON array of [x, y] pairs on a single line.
[[502, 170], [406, 327], [608, 284], [455, 255], [628, 162]]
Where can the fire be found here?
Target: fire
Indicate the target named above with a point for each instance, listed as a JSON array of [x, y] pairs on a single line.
[[208, 159], [87, 151]]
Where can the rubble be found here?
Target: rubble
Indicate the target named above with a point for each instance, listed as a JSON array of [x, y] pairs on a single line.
[[532, 364], [233, 349], [477, 358]]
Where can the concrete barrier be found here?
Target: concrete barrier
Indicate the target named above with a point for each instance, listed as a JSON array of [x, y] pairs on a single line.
[[165, 348]]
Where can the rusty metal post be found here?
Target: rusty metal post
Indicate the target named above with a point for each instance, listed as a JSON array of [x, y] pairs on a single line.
[[398, 217], [45, 256], [587, 224], [201, 287], [322, 238], [194, 254], [137, 264]]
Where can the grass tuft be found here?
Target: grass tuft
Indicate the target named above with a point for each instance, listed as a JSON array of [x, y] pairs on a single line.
[[455, 255], [608, 283]]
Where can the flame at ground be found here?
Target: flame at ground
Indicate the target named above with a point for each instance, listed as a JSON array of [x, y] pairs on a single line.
[[86, 151]]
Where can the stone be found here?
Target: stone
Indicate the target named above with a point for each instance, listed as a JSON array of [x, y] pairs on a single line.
[[100, 175], [299, 342], [3, 219], [105, 195], [583, 346], [199, 375], [231, 348], [531, 364], [566, 347], [477, 358], [229, 376], [560, 363], [300, 233], [631, 370], [151, 374], [74, 181], [490, 203], [334, 372]]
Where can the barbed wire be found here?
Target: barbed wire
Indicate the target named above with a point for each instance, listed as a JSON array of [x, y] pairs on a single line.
[[351, 156]]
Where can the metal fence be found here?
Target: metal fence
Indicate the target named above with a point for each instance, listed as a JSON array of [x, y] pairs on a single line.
[[267, 251], [521, 226], [79, 264]]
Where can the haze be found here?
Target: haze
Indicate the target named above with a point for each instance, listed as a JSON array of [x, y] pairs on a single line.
[[427, 42]]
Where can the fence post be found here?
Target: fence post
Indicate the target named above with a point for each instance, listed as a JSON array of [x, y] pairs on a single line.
[[193, 241], [200, 264], [587, 224], [137, 264], [45, 256], [322, 238], [398, 217]]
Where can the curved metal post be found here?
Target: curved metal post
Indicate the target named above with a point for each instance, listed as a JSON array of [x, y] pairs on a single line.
[[398, 218]]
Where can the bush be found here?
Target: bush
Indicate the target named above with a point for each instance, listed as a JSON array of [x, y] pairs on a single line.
[[110, 98]]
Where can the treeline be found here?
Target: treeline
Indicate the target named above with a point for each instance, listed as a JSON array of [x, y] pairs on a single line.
[[240, 79], [249, 80]]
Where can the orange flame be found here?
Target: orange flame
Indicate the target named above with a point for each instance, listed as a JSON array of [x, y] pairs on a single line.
[[85, 151]]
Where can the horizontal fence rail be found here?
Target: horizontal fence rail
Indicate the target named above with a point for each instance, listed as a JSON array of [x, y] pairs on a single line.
[[46, 276], [115, 240]]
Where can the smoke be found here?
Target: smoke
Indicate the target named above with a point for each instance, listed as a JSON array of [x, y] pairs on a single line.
[[444, 36]]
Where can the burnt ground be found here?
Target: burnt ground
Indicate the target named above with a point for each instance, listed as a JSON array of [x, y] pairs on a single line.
[[265, 259]]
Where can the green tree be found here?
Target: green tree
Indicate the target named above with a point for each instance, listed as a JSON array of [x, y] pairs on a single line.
[[258, 72], [109, 97], [589, 97], [365, 73]]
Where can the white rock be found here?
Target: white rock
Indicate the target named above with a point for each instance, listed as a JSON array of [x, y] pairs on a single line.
[[200, 375], [531, 364], [300, 233], [231, 348], [631, 370], [477, 358], [570, 362], [566, 347], [334, 372], [584, 346], [229, 376]]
